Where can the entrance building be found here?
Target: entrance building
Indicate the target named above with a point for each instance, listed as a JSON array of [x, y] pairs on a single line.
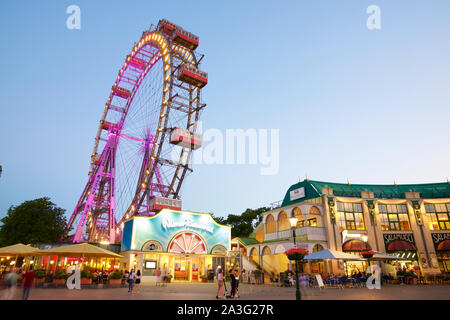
[[187, 245]]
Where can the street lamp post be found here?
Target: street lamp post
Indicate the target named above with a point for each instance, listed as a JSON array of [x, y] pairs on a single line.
[[293, 222]]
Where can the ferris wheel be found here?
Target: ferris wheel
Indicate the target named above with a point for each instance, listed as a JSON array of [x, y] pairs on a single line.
[[146, 135]]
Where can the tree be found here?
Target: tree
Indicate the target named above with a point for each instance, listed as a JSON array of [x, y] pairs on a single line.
[[219, 220], [33, 221], [243, 225]]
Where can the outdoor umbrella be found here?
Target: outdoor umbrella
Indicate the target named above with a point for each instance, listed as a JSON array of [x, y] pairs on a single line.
[[378, 256], [332, 254], [80, 250], [19, 249]]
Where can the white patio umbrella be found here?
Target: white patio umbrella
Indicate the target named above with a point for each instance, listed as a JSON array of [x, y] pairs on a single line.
[[332, 254], [384, 256]]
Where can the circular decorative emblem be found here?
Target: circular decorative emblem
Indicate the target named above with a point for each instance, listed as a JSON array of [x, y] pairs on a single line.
[[187, 243]]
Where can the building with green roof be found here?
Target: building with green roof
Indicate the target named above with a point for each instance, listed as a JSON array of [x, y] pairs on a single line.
[[409, 221]]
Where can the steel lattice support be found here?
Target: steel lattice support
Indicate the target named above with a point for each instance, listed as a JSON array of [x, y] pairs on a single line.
[[94, 217]]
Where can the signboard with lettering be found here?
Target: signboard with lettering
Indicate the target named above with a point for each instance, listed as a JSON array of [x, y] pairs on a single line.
[[438, 238], [297, 193], [166, 225], [391, 237]]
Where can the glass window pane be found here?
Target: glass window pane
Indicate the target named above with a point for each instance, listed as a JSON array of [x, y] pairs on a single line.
[[402, 208], [357, 207], [340, 206], [443, 216], [391, 208], [429, 208], [440, 208], [393, 217], [382, 208], [349, 216], [348, 207], [359, 221]]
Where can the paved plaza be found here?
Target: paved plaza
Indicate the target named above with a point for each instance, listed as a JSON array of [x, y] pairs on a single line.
[[207, 291]]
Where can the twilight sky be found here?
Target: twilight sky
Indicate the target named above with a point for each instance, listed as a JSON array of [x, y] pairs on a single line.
[[371, 106]]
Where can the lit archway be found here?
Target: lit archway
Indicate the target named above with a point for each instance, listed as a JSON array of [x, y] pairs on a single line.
[[271, 226], [283, 221]]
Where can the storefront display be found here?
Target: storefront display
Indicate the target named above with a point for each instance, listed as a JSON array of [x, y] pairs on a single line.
[[442, 246], [185, 244]]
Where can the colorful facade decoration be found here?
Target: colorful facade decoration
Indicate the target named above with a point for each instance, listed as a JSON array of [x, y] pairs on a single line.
[[187, 244]]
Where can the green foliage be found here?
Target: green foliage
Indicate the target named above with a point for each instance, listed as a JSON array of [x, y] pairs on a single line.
[[116, 275], [31, 222], [40, 274], [61, 275], [242, 225], [257, 274], [86, 274]]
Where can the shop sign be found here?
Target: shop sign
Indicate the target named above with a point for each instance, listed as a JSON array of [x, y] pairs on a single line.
[[439, 237], [188, 222], [297, 193], [391, 237]]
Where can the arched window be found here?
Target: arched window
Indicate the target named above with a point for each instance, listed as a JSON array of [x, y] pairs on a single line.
[[296, 212], [253, 252], [317, 248], [152, 245], [283, 221], [270, 224], [266, 251], [314, 210], [219, 250]]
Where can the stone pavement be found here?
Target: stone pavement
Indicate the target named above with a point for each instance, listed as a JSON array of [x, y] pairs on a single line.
[[207, 291]]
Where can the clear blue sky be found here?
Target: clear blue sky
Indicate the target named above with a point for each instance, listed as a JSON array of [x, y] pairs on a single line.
[[370, 106]]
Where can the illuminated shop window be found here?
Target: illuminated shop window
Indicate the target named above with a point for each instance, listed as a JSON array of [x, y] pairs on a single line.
[[438, 215], [394, 217], [350, 216]]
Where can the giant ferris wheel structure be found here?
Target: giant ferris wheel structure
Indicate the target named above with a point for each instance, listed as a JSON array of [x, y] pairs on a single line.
[[146, 135]]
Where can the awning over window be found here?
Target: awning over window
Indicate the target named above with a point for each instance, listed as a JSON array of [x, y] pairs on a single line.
[[400, 245], [444, 246], [355, 245]]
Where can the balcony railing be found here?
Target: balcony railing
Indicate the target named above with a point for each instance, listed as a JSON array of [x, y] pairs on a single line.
[[311, 233]]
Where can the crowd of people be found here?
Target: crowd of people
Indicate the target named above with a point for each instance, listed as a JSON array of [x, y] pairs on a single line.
[[234, 276], [12, 277]]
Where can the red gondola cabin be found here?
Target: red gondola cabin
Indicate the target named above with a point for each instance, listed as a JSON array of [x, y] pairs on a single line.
[[185, 38], [190, 74], [167, 27], [159, 203], [185, 138]]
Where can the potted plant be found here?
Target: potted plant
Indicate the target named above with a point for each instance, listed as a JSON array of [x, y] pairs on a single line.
[[296, 253], [367, 254], [116, 278], [86, 277], [204, 278], [40, 277], [169, 278], [60, 277]]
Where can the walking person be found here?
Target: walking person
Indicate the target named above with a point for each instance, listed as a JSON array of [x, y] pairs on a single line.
[[165, 275], [233, 284], [220, 284], [28, 280], [11, 284], [217, 271], [138, 281], [237, 276], [131, 279], [158, 277]]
